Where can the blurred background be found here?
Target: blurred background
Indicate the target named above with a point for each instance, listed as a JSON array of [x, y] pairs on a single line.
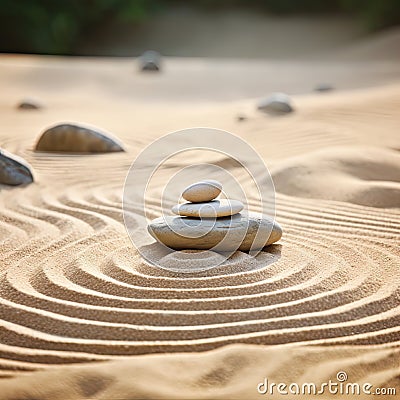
[[199, 28]]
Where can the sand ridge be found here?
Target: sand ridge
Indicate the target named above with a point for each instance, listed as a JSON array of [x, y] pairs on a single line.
[[362, 175], [232, 372]]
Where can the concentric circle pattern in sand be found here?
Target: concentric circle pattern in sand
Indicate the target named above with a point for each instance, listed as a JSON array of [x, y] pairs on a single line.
[[73, 289]]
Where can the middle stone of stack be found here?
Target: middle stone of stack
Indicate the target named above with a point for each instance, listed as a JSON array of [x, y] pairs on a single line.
[[201, 203]]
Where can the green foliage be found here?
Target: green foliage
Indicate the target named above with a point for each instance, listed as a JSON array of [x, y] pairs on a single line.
[[303, 6], [57, 26], [376, 14]]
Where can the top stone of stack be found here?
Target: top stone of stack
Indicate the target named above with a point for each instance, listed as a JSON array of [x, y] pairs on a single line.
[[202, 191]]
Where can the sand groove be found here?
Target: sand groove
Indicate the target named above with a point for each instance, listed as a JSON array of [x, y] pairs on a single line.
[[74, 290], [81, 291]]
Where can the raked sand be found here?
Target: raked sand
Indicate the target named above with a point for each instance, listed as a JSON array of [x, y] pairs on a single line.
[[74, 291]]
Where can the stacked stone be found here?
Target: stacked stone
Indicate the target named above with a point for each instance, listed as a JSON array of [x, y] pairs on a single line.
[[201, 202], [205, 223]]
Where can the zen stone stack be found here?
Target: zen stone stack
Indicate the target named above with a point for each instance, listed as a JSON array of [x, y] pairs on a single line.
[[206, 223]]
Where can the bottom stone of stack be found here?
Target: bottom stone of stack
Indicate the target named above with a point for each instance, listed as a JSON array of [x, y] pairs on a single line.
[[238, 232]]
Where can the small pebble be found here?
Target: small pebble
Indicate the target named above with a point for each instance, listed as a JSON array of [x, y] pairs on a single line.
[[323, 87], [206, 190], [150, 61], [276, 104], [241, 118], [29, 104]]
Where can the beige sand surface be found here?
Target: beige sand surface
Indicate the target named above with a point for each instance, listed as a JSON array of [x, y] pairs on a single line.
[[73, 290]]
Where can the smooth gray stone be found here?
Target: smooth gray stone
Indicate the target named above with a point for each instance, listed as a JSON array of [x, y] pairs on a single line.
[[277, 103], [74, 138], [239, 232], [150, 61], [29, 104], [14, 170], [209, 209], [205, 190], [323, 87]]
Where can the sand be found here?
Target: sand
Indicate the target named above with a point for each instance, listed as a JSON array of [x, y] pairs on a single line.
[[83, 316]]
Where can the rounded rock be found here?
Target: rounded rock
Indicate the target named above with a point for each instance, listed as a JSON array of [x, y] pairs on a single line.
[[14, 170], [277, 103], [210, 209], [150, 61], [323, 87], [29, 104], [74, 138], [241, 117], [202, 191], [239, 232]]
